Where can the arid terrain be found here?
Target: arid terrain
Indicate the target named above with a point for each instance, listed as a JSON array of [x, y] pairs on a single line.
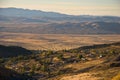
[[98, 62], [54, 41], [60, 40]]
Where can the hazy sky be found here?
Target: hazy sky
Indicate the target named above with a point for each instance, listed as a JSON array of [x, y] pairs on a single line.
[[76, 7]]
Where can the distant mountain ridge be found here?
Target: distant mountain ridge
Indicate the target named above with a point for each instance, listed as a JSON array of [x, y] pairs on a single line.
[[19, 12], [35, 21], [27, 15]]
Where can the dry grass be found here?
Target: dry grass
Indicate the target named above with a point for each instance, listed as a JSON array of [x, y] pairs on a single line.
[[117, 77], [54, 41], [87, 64], [84, 76]]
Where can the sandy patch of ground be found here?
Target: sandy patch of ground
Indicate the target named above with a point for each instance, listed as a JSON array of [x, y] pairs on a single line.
[[83, 76]]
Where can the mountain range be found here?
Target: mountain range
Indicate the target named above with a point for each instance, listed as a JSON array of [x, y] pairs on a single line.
[[37, 21]]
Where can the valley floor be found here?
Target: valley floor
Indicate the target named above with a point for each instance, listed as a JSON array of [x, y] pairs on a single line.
[[54, 41]]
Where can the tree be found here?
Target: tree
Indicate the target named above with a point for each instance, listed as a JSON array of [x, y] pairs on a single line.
[[60, 56], [79, 56], [32, 71], [2, 60]]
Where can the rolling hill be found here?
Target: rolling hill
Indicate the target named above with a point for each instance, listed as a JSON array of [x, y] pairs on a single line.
[[95, 62], [64, 28], [11, 51], [7, 74]]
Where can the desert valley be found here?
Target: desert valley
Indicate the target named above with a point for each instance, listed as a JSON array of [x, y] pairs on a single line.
[[39, 45]]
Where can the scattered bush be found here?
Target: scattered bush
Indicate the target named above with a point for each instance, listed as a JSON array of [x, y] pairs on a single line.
[[60, 56], [79, 56]]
